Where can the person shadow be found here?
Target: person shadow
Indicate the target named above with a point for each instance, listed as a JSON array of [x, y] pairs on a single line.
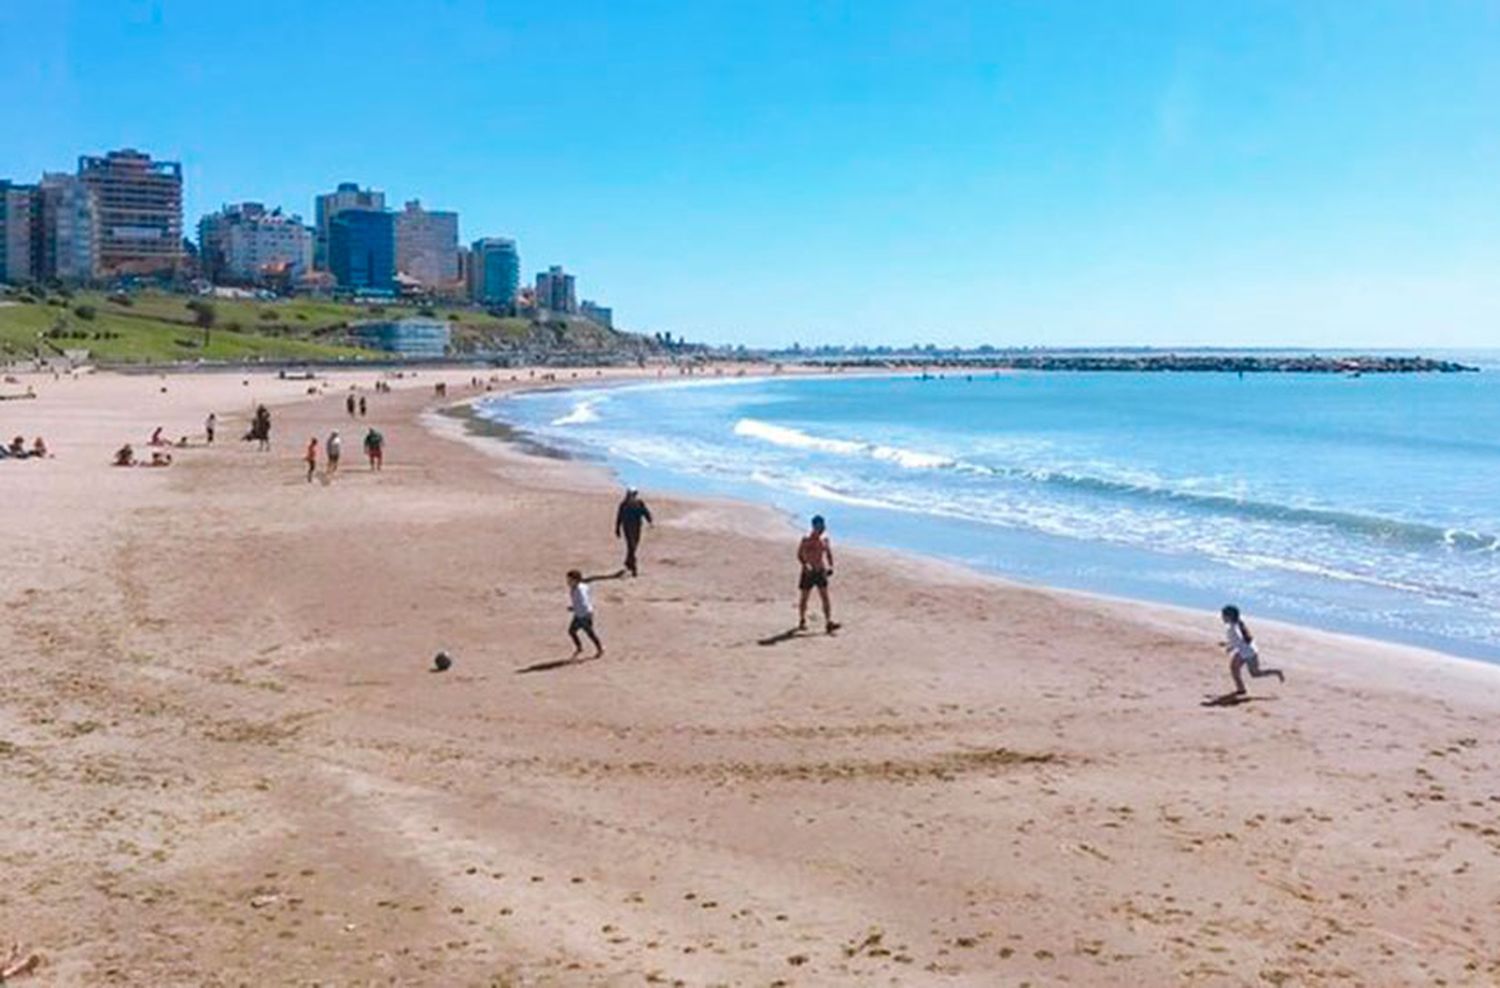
[[1232, 699], [783, 636], [551, 664]]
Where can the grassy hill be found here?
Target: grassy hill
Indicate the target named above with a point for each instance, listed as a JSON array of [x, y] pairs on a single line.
[[160, 326]]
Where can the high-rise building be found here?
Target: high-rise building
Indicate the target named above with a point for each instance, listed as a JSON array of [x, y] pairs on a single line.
[[362, 250], [494, 271], [69, 229], [554, 291], [140, 211], [247, 244], [427, 245], [348, 196], [19, 226], [601, 314]]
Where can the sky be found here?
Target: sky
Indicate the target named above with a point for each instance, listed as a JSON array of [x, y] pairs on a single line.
[[877, 171]]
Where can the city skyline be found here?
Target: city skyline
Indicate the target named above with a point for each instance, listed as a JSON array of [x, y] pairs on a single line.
[[1283, 174]]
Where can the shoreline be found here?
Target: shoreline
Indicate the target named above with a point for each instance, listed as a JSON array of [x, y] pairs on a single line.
[[506, 431], [229, 759]]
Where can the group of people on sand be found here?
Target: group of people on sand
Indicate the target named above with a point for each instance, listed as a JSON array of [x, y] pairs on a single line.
[[355, 407], [814, 559], [18, 450], [333, 451]]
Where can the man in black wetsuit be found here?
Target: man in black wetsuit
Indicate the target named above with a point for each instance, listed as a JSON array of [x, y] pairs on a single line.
[[628, 518]]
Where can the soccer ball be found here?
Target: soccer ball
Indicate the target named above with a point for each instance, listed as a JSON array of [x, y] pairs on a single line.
[[442, 661]]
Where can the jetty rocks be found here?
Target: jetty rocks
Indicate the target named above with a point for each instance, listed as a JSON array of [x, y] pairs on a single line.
[[1187, 363]]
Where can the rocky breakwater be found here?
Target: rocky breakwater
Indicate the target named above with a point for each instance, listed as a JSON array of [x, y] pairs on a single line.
[[1185, 363]]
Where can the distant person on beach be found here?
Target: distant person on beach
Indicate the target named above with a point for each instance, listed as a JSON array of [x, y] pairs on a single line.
[[209, 425], [18, 448], [375, 448], [1239, 643], [815, 555], [335, 450], [361, 406], [157, 439], [628, 518], [260, 429], [349, 405], [125, 456], [583, 614], [39, 448], [311, 456]]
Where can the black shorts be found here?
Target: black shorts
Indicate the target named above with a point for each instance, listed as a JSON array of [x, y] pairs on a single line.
[[813, 579], [581, 624]]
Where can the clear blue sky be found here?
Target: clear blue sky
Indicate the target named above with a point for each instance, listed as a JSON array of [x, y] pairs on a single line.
[[1041, 172]]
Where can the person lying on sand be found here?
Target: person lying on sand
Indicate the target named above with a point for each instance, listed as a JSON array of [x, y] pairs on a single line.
[[17, 448], [39, 448], [160, 459], [1239, 643], [583, 614]]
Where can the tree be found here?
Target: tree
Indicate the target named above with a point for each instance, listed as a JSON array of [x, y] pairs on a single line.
[[204, 315]]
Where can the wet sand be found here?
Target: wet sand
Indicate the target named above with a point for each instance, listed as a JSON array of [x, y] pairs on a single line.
[[226, 760]]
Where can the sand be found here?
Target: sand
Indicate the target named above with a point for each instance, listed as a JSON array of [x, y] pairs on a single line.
[[225, 760]]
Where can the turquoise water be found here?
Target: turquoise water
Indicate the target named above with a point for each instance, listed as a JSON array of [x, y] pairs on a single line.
[[1369, 505]]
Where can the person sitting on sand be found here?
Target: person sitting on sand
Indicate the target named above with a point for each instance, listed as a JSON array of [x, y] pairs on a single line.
[[815, 555], [125, 456], [156, 437], [1239, 643], [160, 459], [375, 448], [311, 458], [583, 614], [628, 518], [39, 448], [18, 448]]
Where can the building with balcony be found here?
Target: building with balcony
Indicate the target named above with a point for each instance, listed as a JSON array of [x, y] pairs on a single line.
[[427, 246], [140, 212], [69, 229], [494, 271], [325, 207], [249, 245], [19, 227], [555, 291], [362, 251]]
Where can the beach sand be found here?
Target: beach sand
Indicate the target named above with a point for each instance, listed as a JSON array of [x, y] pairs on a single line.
[[226, 761]]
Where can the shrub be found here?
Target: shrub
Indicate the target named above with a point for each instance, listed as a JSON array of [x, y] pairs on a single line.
[[120, 298], [233, 326], [85, 312], [268, 314], [302, 316], [377, 310], [426, 312]]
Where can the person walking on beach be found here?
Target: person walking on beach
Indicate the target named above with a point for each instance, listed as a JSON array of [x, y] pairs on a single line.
[[260, 429], [815, 555], [1240, 645], [628, 518], [311, 458], [583, 614], [209, 425], [361, 406], [375, 448], [334, 448], [349, 405]]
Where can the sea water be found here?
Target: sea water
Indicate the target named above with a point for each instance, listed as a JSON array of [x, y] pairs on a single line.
[[1365, 504]]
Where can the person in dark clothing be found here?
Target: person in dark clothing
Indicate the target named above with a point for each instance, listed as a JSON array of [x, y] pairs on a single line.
[[628, 518]]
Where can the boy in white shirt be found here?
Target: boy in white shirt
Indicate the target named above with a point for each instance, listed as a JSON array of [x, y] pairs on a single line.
[[583, 614], [1239, 643]]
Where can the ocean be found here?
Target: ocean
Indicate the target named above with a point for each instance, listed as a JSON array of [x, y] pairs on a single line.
[[1368, 505]]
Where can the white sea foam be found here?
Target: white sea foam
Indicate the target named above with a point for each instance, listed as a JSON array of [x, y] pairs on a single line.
[[582, 413]]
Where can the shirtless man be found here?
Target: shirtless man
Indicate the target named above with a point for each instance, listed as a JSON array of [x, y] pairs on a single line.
[[816, 557]]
